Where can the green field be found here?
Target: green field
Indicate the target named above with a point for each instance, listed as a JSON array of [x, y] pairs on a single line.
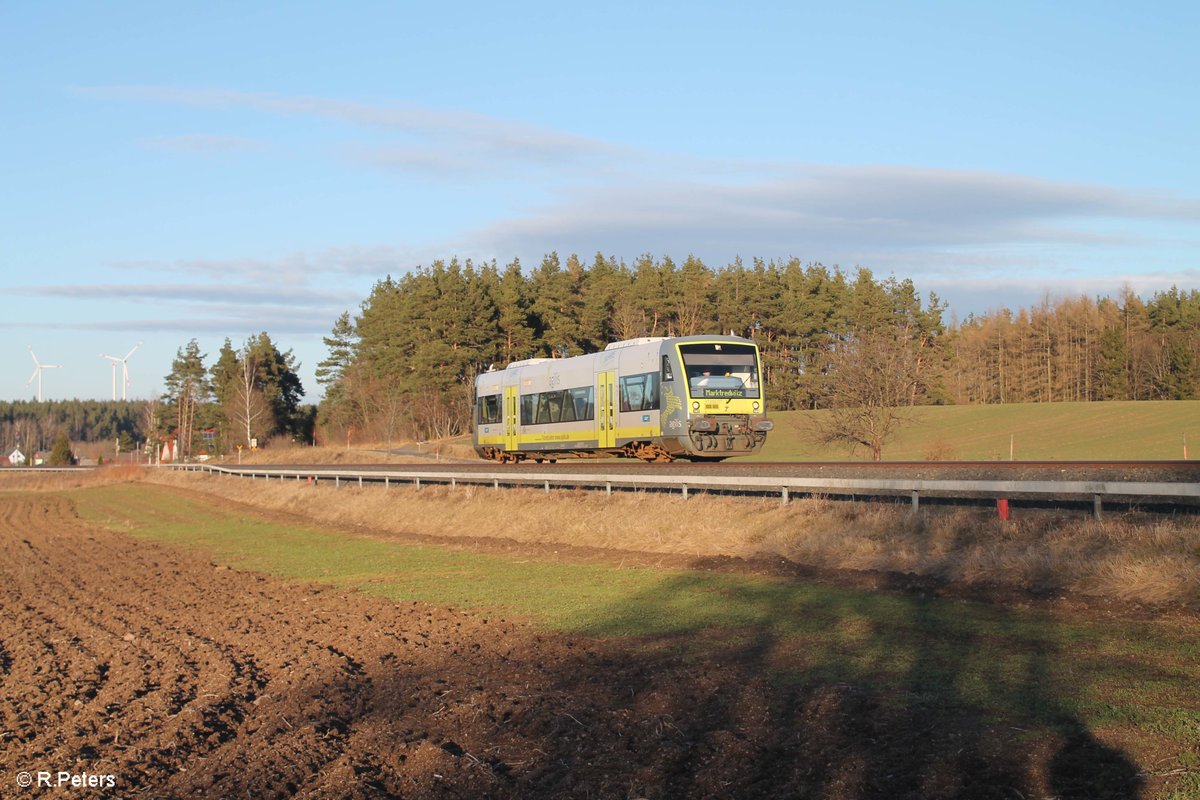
[[1038, 673], [1035, 431]]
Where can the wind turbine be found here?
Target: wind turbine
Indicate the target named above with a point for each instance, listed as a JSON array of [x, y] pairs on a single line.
[[124, 362], [37, 371]]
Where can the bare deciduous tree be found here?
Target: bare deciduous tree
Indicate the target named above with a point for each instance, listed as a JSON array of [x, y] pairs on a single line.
[[873, 389], [248, 405]]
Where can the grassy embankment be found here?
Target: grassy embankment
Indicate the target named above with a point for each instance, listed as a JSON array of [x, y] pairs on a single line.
[[1036, 676], [1038, 431], [1126, 557]]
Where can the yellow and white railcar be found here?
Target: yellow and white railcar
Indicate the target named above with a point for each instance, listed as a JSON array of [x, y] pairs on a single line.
[[655, 398]]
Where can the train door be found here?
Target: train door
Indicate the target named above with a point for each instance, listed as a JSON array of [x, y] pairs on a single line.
[[606, 420], [512, 411]]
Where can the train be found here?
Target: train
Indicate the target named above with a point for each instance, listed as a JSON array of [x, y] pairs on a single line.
[[658, 399]]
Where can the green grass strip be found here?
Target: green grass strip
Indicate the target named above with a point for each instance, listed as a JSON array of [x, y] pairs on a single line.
[[1029, 431]]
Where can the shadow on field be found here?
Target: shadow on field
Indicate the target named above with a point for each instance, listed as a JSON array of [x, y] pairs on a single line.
[[846, 694], [812, 693]]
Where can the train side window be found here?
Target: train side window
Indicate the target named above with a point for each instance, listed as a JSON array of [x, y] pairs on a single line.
[[561, 405], [489, 409], [639, 392], [543, 409], [568, 406], [554, 401], [650, 397], [666, 369], [582, 398], [631, 393]]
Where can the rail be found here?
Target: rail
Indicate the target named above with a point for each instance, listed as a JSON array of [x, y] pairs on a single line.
[[1098, 492]]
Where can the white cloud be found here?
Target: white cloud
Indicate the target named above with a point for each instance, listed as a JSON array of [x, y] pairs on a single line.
[[235, 322], [295, 269], [844, 214], [477, 138], [194, 293]]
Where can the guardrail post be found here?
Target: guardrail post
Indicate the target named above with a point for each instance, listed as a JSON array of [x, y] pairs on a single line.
[[387, 482], [608, 488], [417, 483], [337, 481], [685, 490], [916, 501], [784, 496], [496, 483], [1097, 506]]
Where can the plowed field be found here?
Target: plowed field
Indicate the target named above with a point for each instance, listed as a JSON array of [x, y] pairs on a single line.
[[181, 678]]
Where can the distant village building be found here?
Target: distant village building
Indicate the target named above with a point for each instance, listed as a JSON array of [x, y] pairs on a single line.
[[16, 458]]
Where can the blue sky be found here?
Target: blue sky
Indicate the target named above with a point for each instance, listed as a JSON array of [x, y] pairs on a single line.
[[229, 168]]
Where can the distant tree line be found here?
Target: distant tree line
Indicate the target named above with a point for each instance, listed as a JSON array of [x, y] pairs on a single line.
[[35, 425], [1081, 349], [251, 393], [404, 365]]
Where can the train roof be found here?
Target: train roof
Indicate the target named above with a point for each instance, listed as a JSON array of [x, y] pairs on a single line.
[[635, 342], [639, 342], [709, 337]]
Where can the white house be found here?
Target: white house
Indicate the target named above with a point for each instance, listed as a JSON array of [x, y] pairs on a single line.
[[16, 458]]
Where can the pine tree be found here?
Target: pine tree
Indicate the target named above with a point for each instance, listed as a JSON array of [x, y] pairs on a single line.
[[187, 387], [1113, 374], [510, 293], [338, 373], [556, 307], [61, 455], [274, 375], [341, 343]]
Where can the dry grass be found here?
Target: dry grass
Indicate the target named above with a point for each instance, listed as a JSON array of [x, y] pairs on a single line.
[[32, 481], [360, 453], [1142, 559]]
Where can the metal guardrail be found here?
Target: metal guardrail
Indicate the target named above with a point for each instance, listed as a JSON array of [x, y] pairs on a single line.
[[785, 487]]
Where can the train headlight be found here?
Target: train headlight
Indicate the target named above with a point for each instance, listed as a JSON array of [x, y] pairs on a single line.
[[695, 405], [755, 405]]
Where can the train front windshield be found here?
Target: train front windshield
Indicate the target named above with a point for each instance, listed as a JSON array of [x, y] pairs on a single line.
[[721, 370]]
